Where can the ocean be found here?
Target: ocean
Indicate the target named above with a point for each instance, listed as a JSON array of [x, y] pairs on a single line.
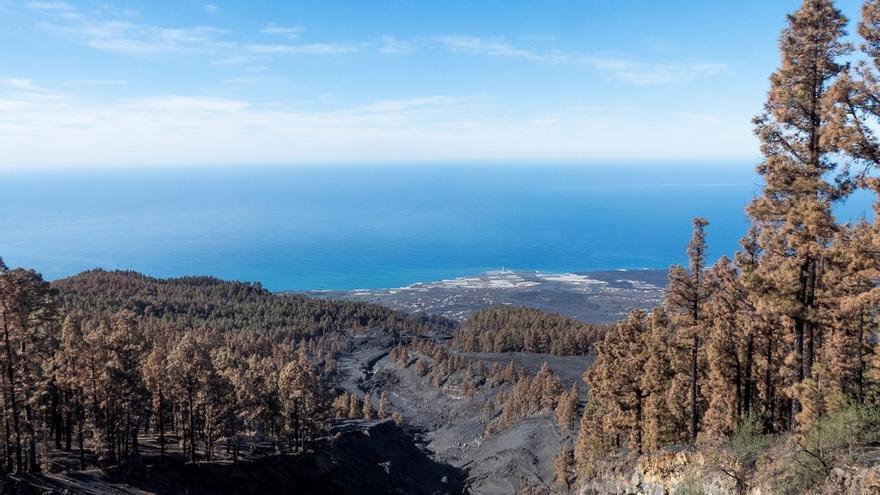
[[372, 226]]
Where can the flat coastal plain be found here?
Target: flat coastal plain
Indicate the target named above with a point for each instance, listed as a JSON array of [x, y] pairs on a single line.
[[597, 296]]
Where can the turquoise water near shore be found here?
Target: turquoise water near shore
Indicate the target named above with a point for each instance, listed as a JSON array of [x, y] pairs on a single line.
[[371, 226]]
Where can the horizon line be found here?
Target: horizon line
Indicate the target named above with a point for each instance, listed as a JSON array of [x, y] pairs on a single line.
[[397, 162]]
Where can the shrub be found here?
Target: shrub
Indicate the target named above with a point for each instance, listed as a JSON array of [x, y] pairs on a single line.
[[738, 457], [691, 485], [749, 441], [836, 439]]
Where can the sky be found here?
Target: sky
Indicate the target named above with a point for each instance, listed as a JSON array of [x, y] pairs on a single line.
[[184, 82]]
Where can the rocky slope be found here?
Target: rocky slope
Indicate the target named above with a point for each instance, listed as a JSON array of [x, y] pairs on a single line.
[[688, 472], [453, 425]]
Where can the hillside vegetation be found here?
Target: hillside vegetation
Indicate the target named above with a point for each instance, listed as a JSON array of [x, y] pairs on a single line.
[[767, 362], [100, 363], [514, 328], [222, 305]]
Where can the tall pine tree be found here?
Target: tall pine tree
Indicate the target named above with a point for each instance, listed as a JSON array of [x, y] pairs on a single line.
[[793, 214], [686, 296]]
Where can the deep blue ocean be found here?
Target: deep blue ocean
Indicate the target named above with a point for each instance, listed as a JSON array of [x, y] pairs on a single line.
[[370, 226]]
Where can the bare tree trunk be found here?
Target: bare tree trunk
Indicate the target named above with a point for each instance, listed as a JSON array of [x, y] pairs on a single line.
[[639, 421], [694, 419], [161, 424], [10, 385], [192, 429], [799, 352], [768, 386], [860, 380], [32, 440], [68, 428], [748, 386], [738, 385], [82, 452]]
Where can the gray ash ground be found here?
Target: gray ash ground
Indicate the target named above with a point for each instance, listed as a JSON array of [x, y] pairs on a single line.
[[451, 427], [601, 296]]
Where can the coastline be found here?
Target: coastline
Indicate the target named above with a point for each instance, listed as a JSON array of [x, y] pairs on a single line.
[[594, 296]]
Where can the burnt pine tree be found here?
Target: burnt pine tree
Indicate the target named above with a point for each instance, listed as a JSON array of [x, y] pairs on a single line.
[[793, 214], [28, 319], [853, 104], [615, 383], [685, 297], [384, 405], [729, 352]]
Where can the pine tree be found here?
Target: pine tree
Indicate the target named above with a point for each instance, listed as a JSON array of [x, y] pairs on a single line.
[[341, 405], [566, 409], [72, 380], [304, 401], [730, 352], [217, 411], [854, 105], [593, 439], [354, 407], [367, 411], [545, 390], [561, 464], [686, 295], [126, 352], [28, 318], [384, 404], [793, 215], [665, 419], [157, 384], [852, 298], [188, 364], [615, 378]]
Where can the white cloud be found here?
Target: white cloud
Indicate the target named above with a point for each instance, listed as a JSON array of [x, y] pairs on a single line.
[[20, 84], [121, 35], [393, 46], [236, 60], [651, 73], [211, 8], [25, 90], [244, 81], [483, 46], [305, 49], [131, 38], [620, 68], [60, 6], [168, 130], [188, 105], [287, 32], [95, 82], [385, 106]]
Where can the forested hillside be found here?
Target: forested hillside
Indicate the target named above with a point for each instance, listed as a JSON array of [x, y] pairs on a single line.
[[222, 305], [778, 344], [512, 328], [96, 363]]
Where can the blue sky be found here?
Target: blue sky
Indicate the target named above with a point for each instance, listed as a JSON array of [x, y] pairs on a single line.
[[167, 83]]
